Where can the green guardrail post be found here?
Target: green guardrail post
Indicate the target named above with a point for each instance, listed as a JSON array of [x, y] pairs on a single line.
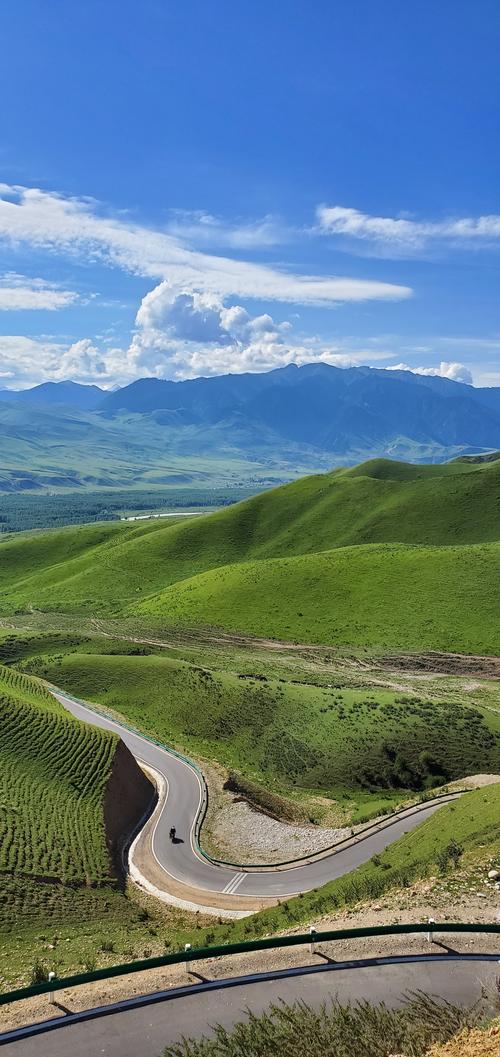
[[273, 942]]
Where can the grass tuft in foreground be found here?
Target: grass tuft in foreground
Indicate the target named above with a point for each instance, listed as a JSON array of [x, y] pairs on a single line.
[[354, 1030]]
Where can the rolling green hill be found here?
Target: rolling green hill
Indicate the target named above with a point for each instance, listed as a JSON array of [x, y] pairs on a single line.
[[344, 742], [374, 596], [105, 568]]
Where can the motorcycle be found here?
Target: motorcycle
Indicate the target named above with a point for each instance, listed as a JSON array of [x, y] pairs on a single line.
[[172, 834]]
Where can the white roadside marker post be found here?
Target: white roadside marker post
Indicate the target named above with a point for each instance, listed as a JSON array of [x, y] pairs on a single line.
[[312, 933], [187, 947], [51, 998], [430, 934]]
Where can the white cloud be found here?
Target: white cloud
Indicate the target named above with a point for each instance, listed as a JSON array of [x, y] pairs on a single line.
[[76, 226], [456, 372], [177, 335], [403, 233], [248, 343], [18, 293], [180, 334], [27, 361], [203, 229]]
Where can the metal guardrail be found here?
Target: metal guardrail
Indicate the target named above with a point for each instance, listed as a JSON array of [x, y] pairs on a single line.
[[203, 807], [203, 953]]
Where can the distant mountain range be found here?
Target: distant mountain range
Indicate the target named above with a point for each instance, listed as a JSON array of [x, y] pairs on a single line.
[[260, 427], [51, 394]]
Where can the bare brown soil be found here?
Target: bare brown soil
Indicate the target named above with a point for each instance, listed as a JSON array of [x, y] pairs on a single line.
[[128, 797], [432, 661], [459, 664]]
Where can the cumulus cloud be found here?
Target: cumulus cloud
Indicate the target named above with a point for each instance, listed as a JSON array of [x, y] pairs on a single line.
[[181, 333], [178, 334], [27, 361], [190, 316], [403, 233], [18, 293], [456, 372], [79, 227], [233, 341]]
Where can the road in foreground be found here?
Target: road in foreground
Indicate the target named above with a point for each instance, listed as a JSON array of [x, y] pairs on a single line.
[[144, 1030], [182, 861]]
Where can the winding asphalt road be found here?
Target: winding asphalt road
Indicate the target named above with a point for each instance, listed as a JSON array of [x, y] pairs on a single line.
[[144, 1026], [184, 862]]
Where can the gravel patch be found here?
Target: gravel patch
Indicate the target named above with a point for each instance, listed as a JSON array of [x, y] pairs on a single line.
[[236, 829]]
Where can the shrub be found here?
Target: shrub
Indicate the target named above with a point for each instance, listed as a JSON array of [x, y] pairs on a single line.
[[449, 856], [353, 1030], [39, 973]]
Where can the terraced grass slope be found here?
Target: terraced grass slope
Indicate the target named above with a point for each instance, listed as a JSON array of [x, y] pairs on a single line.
[[287, 734], [57, 783], [105, 567]]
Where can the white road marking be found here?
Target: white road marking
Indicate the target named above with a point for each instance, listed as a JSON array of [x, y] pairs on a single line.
[[233, 884]]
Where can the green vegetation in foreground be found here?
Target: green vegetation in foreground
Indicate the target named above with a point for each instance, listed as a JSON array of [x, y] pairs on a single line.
[[358, 1029], [384, 555], [413, 598], [69, 930], [84, 924], [287, 735]]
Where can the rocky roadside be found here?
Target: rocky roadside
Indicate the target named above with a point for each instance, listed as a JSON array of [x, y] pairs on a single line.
[[247, 835]]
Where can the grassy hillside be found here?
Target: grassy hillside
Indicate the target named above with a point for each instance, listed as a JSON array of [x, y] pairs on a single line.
[[371, 596], [286, 735], [53, 778], [105, 568]]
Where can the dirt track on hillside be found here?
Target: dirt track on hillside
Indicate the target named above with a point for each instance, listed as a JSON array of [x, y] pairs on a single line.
[[443, 664]]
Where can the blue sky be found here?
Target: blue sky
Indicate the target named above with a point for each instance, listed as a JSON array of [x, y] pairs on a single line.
[[203, 187]]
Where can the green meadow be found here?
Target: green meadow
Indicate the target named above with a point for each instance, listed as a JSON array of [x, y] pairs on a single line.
[[385, 555], [53, 776], [60, 896], [382, 557], [287, 736], [375, 596]]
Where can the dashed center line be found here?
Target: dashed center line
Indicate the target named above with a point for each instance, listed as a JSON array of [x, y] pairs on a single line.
[[233, 884]]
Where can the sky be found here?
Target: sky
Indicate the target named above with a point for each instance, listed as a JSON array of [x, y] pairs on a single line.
[[200, 188]]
